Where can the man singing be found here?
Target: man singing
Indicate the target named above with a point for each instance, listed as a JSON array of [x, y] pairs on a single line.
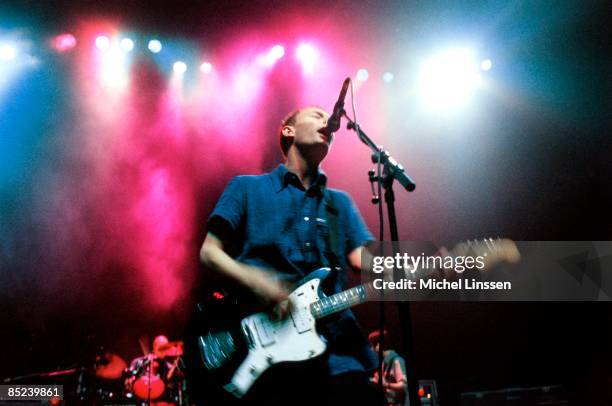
[[286, 224]]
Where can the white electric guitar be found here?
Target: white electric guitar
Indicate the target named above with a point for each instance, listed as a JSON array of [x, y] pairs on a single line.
[[295, 338]]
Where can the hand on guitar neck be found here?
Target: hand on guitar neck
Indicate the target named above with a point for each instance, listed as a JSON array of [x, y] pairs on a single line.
[[492, 251]]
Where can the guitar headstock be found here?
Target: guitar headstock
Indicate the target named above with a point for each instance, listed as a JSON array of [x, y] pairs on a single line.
[[492, 251]]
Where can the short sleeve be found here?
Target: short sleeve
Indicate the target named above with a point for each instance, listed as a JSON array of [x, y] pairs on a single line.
[[230, 207], [399, 370], [358, 233]]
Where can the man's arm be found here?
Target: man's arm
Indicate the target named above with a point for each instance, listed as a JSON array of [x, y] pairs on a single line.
[[399, 375], [270, 291], [354, 258], [357, 235]]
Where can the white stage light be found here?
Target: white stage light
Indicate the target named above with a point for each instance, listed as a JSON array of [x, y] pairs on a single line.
[[179, 67], [362, 75], [206, 67], [308, 56], [127, 44], [448, 80], [8, 52], [486, 65], [103, 42], [155, 46]]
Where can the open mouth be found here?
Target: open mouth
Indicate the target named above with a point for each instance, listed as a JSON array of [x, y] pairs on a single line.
[[326, 136]]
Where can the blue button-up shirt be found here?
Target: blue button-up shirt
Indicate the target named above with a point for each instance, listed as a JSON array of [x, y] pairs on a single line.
[[281, 225]]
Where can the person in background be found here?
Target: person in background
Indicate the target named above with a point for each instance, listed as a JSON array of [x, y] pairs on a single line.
[[395, 382]]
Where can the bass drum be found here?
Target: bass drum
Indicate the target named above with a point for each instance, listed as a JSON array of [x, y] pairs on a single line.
[[144, 379]]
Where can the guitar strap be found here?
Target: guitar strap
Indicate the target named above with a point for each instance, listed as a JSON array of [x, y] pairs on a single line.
[[345, 334], [331, 238]]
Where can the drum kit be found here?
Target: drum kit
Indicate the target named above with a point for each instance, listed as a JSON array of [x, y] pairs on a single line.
[[153, 379], [156, 377]]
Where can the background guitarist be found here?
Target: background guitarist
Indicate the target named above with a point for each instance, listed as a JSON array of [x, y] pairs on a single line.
[[286, 223], [395, 378]]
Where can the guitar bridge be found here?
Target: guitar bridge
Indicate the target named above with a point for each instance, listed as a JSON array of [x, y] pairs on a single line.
[[248, 335], [265, 332]]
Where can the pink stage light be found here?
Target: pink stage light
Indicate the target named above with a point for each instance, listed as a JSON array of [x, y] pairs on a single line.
[[274, 54], [63, 42], [308, 56]]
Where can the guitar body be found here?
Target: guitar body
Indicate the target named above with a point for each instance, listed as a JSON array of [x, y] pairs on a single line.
[[239, 356]]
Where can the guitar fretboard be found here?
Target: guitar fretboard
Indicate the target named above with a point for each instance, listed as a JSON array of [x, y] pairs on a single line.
[[340, 301]]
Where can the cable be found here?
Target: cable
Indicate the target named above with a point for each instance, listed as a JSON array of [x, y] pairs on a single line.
[[353, 103]]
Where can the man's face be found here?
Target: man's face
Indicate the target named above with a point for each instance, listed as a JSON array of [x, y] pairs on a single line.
[[306, 131]]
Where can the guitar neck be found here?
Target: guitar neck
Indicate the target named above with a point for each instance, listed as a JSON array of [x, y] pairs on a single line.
[[338, 302]]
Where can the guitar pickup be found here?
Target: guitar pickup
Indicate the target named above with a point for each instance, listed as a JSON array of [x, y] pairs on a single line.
[[265, 331], [301, 322]]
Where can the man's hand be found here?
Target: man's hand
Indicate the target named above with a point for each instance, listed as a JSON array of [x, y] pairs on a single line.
[[261, 282], [270, 292]]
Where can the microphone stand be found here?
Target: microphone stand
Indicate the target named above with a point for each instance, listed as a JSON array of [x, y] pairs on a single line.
[[392, 171]]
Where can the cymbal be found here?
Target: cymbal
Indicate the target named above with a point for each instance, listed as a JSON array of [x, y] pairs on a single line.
[[110, 366], [171, 349]]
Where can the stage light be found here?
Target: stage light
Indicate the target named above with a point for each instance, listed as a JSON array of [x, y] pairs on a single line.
[[155, 46], [448, 80], [179, 67], [362, 75], [8, 52], [277, 52], [307, 55], [114, 69], [387, 77], [206, 67], [127, 44], [486, 65], [63, 42], [274, 54], [103, 42]]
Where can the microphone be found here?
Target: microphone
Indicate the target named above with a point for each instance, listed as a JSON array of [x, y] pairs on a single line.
[[333, 123]]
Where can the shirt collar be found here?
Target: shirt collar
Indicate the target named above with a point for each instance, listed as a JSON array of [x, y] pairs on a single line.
[[284, 176]]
